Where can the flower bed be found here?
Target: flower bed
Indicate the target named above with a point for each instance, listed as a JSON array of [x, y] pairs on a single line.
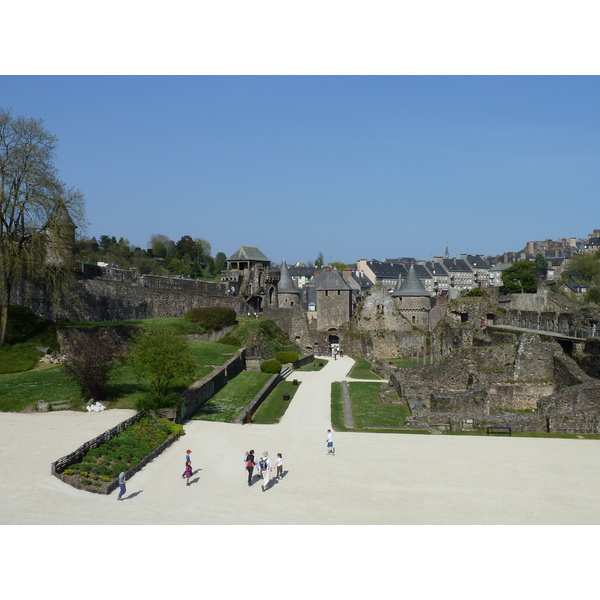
[[98, 469]]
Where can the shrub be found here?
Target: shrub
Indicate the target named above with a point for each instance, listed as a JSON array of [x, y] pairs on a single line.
[[212, 317], [86, 482], [287, 357], [231, 340], [270, 366], [155, 401], [92, 358], [475, 292], [593, 295]]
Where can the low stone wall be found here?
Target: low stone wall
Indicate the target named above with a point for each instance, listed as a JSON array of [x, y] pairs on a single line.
[[59, 465], [204, 389], [246, 415], [518, 395], [302, 362]]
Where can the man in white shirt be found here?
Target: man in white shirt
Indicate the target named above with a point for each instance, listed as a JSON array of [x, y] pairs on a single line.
[[330, 448], [122, 484], [264, 464]]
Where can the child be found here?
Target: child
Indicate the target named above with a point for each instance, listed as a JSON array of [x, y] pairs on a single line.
[[188, 459], [279, 465], [188, 471]]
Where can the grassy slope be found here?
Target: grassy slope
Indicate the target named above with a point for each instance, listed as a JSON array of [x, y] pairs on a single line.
[[228, 403]]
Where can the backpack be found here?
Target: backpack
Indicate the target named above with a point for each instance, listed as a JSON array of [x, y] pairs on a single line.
[[263, 464]]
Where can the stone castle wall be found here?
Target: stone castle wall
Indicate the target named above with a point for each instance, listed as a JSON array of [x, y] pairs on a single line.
[[113, 300], [335, 308], [293, 320]]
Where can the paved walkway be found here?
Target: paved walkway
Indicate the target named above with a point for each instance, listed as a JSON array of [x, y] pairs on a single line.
[[372, 479]]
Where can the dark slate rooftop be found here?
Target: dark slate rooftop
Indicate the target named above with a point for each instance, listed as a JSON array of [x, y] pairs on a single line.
[[286, 284], [302, 271], [422, 272], [381, 269], [437, 269], [411, 286], [249, 253], [477, 262], [456, 264], [333, 282]]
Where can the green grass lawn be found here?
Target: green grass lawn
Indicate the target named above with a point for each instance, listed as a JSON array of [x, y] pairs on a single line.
[[20, 390], [318, 364], [369, 411], [404, 362], [337, 407], [176, 324], [227, 404], [362, 370], [274, 406]]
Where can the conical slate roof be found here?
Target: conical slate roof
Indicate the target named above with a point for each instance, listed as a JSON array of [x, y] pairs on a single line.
[[334, 282], [286, 284], [411, 286], [61, 215]]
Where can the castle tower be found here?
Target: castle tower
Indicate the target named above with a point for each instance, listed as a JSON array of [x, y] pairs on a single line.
[[247, 273], [413, 300], [287, 292], [60, 235], [334, 303]]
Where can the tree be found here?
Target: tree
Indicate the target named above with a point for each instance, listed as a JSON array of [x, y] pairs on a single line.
[[541, 266], [593, 295], [520, 277], [91, 361], [320, 260], [220, 259], [161, 245], [160, 356], [582, 267], [37, 230], [340, 266]]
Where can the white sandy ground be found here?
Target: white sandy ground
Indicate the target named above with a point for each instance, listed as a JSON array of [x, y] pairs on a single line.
[[377, 479], [374, 479]]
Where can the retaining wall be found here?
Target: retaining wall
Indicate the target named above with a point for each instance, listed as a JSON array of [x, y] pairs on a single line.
[[246, 415], [204, 389]]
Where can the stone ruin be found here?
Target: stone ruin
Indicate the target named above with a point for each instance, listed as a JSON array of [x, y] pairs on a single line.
[[527, 383]]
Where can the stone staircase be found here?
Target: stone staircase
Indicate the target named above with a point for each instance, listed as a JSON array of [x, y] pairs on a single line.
[[51, 406]]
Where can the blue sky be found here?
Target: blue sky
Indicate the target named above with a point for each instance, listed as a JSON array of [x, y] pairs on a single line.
[[350, 166]]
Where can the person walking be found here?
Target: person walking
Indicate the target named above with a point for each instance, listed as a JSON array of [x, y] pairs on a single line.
[[330, 448], [265, 467], [122, 487], [279, 466], [250, 464], [188, 471], [188, 459]]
